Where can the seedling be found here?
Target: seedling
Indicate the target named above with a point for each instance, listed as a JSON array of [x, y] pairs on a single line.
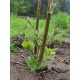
[[35, 66], [38, 60]]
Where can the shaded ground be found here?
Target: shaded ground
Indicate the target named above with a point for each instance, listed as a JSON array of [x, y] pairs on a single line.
[[58, 69]]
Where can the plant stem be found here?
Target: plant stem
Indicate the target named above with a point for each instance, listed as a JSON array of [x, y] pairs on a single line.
[[37, 24], [45, 32]]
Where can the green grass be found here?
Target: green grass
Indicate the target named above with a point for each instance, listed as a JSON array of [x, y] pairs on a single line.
[[19, 26], [61, 20]]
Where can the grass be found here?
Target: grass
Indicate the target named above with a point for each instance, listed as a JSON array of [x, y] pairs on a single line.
[[60, 20], [19, 26]]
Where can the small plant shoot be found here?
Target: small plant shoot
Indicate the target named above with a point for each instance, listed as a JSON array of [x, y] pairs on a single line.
[[42, 55]]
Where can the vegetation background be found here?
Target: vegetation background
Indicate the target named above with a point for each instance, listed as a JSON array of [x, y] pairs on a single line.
[[28, 7]]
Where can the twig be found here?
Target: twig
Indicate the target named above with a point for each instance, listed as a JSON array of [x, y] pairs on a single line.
[[23, 56], [63, 59], [17, 63], [30, 23]]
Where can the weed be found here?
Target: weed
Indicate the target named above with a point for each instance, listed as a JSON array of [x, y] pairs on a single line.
[[13, 48]]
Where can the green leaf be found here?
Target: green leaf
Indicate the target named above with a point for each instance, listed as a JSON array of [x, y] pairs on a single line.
[[28, 45], [25, 44], [50, 53], [33, 64]]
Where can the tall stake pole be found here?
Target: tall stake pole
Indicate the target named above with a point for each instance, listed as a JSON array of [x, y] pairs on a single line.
[[37, 25], [41, 54]]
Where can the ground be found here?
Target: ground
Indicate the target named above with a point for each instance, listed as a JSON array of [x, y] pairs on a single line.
[[57, 69]]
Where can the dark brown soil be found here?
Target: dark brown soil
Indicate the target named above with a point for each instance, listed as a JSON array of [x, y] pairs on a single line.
[[57, 69]]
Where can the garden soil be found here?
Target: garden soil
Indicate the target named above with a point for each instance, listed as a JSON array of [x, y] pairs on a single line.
[[58, 69]]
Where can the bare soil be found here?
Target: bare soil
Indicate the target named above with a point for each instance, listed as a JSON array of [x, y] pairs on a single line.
[[57, 69]]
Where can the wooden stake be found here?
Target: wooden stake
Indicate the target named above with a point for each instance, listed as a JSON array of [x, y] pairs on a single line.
[[37, 25], [41, 54]]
